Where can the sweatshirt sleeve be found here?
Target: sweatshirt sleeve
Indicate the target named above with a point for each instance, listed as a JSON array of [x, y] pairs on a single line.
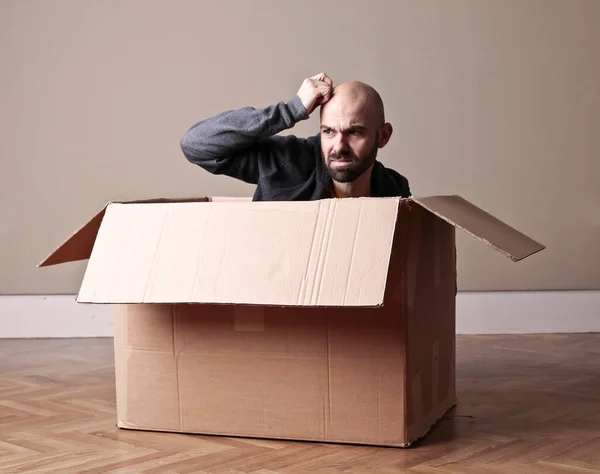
[[240, 143]]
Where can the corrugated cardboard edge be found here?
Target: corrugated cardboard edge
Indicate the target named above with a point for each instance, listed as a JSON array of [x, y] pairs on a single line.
[[484, 241], [401, 242]]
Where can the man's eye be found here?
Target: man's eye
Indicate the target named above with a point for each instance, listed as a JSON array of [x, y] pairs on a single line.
[[326, 132]]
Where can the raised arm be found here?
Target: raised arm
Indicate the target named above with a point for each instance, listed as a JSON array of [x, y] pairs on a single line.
[[241, 143]]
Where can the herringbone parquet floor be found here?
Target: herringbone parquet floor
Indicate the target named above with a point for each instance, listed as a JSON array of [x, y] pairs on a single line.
[[527, 404]]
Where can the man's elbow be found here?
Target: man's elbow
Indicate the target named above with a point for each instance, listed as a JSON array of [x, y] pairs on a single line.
[[189, 149]]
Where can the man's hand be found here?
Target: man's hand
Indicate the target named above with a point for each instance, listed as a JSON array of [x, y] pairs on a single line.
[[315, 91]]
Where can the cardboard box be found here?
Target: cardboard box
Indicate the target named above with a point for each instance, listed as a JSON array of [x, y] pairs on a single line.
[[328, 320]]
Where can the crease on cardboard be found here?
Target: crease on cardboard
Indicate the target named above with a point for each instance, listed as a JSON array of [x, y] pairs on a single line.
[[327, 405], [326, 245], [323, 251], [319, 237], [201, 252], [174, 314], [114, 275], [452, 373], [437, 253], [379, 435], [419, 416], [220, 267], [149, 287], [302, 294], [352, 256], [383, 261]]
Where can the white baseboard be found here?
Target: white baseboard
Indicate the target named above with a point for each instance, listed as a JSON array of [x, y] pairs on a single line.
[[528, 312], [38, 316], [476, 313]]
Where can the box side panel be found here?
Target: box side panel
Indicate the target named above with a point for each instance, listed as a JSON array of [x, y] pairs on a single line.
[[145, 368], [430, 307], [302, 373]]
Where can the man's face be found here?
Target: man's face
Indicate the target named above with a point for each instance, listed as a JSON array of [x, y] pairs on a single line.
[[349, 138]]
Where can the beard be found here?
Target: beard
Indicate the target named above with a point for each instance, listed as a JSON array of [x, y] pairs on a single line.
[[355, 169]]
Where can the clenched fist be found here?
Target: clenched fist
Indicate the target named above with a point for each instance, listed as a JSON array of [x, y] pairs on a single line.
[[315, 91]]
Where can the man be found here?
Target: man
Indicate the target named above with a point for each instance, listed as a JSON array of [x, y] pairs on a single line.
[[338, 162]]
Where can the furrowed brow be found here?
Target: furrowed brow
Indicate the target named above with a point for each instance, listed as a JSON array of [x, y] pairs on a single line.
[[351, 128]]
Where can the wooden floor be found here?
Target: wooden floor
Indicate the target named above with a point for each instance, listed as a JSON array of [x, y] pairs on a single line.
[[527, 404]]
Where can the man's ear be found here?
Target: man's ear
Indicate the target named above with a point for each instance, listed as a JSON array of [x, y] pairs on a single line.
[[385, 133]]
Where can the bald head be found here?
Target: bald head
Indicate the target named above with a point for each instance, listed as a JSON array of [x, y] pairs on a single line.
[[353, 128], [358, 99]]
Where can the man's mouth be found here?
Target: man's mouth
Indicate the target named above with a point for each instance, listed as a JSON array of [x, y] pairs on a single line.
[[344, 159], [342, 163]]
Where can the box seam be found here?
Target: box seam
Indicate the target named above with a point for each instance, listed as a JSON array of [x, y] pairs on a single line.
[[176, 359], [327, 421]]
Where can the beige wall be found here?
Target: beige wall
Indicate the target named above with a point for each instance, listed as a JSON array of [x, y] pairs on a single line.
[[495, 100]]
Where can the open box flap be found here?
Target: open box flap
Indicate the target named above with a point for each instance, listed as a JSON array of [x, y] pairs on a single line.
[[79, 245], [319, 253], [481, 225]]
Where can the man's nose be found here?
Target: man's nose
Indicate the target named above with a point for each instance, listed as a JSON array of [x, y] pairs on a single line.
[[340, 144]]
